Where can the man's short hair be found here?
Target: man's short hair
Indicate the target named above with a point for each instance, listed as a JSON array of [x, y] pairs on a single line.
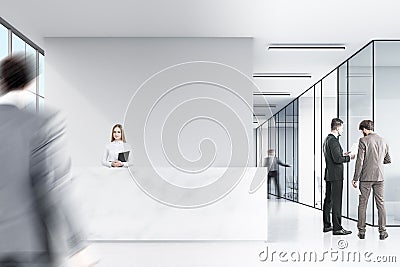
[[367, 125], [336, 122], [16, 71]]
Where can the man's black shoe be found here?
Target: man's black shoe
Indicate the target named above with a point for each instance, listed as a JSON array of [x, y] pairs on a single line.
[[341, 232], [383, 235], [361, 235], [327, 229]]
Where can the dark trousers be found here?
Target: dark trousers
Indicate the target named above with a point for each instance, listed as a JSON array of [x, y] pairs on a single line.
[[333, 201], [273, 175]]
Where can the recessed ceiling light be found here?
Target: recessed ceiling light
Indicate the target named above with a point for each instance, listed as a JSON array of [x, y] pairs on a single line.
[[272, 93], [352, 93], [292, 46], [281, 75], [264, 105]]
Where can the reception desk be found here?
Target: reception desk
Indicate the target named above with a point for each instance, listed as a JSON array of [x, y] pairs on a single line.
[[113, 207]]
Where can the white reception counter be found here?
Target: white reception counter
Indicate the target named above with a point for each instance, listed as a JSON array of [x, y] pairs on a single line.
[[113, 207]]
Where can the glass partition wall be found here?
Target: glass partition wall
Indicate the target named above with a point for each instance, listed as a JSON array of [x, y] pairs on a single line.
[[282, 131], [386, 97], [362, 87]]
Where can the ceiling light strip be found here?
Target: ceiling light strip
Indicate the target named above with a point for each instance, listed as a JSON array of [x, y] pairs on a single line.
[[264, 106], [257, 75], [306, 46], [281, 75], [272, 93]]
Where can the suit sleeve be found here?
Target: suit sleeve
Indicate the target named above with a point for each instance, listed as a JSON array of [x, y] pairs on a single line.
[[359, 161], [387, 158], [51, 183], [283, 164], [337, 153]]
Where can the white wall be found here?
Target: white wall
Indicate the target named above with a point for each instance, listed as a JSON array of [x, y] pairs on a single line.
[[93, 79]]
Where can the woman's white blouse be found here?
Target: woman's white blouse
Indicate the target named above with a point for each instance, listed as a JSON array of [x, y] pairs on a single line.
[[113, 149]]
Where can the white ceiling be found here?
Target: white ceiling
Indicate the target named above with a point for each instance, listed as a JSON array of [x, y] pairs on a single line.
[[349, 22]]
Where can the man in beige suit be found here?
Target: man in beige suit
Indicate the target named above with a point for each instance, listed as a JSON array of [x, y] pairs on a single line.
[[373, 152]]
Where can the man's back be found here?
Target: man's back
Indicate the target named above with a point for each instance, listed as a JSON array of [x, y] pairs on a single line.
[[36, 224], [373, 152], [34, 187], [18, 216]]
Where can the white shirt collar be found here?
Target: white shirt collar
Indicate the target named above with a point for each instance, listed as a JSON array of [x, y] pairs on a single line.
[[19, 98]]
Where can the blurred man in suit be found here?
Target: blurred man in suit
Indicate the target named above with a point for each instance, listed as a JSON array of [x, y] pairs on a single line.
[[334, 159], [273, 163], [36, 223], [373, 152]]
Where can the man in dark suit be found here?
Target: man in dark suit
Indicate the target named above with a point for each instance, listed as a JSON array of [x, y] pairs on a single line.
[[334, 159], [34, 179]]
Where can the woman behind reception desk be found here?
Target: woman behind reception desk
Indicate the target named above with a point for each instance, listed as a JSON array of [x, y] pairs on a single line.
[[118, 144]]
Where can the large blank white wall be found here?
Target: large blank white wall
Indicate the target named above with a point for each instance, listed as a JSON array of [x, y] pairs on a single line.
[[93, 79]]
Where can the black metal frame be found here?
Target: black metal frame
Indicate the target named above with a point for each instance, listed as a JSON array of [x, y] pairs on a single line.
[[373, 114], [20, 35], [347, 129]]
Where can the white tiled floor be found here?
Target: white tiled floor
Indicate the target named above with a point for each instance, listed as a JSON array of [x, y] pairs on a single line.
[[294, 230]]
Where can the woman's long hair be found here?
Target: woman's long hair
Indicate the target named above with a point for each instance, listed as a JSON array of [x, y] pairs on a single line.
[[122, 133]]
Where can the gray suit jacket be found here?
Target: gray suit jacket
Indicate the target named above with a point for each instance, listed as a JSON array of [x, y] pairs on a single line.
[[34, 179], [373, 152]]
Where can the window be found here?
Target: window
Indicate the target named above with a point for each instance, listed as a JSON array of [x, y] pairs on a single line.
[[12, 41]]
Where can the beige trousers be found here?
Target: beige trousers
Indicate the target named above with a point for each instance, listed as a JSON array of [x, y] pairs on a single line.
[[378, 191]]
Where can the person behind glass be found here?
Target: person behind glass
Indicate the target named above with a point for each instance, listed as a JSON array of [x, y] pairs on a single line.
[[118, 144], [273, 163], [334, 159]]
